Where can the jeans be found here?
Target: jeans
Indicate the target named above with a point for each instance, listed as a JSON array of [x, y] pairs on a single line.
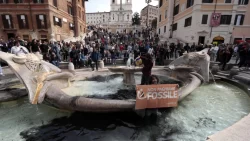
[[94, 64]]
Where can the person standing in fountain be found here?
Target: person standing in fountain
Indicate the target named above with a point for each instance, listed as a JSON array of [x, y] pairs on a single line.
[[147, 67], [94, 58]]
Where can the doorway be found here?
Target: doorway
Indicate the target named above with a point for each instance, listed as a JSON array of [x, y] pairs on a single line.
[[10, 35], [201, 39], [218, 40]]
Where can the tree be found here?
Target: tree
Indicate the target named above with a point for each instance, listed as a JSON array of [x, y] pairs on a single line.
[[154, 23], [136, 19]]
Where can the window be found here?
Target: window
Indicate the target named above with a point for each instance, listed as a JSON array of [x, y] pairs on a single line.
[[70, 10], [166, 14], [243, 2], [190, 3], [18, 1], [83, 16], [113, 17], [127, 17], [4, 1], [159, 31], [165, 29], [174, 27], [22, 21], [225, 19], [113, 1], [71, 26], [38, 1], [57, 21], [188, 22], [239, 19], [228, 1], [207, 1], [55, 3], [7, 21], [160, 3], [160, 18], [204, 19], [41, 21], [176, 9]]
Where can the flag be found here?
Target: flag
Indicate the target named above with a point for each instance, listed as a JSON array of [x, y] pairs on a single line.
[[215, 19]]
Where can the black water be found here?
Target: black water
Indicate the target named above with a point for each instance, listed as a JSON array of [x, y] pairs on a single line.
[[96, 127]]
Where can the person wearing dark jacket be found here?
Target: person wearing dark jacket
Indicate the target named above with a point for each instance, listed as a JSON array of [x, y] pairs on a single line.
[[147, 67], [94, 57]]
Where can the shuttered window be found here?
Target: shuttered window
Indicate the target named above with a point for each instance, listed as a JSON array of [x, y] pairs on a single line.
[[57, 21], [7, 21], [23, 21], [204, 19], [4, 1], [41, 21]]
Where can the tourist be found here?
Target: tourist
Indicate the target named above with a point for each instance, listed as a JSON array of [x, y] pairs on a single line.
[[147, 67], [94, 58], [19, 49], [83, 59], [193, 48], [243, 54], [213, 52], [75, 57], [113, 56], [187, 48], [34, 46], [3, 46], [226, 56]]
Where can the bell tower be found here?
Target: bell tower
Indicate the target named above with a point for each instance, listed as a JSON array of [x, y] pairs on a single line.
[[113, 2]]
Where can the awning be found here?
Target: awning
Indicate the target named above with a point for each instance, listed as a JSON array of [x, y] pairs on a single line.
[[218, 38]]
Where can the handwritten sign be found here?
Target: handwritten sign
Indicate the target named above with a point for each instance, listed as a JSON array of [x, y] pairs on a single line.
[[156, 96]]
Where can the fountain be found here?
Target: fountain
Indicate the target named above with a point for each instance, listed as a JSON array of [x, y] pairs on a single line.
[[202, 111], [45, 82], [128, 72]]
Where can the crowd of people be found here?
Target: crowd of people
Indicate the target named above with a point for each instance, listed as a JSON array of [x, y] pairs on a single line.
[[106, 46]]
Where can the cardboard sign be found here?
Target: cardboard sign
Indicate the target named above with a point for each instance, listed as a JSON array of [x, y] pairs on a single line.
[[156, 96]]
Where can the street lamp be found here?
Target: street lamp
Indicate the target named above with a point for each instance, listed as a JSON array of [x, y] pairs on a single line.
[[147, 1]]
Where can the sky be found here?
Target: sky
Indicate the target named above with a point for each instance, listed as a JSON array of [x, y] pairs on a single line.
[[104, 5]]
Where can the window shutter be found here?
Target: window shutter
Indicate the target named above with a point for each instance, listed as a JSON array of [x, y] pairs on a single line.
[[27, 22], [34, 1], [246, 2], [60, 22], [235, 19], [45, 21], [242, 19], [5, 22], [38, 22], [19, 22], [239, 2], [42, 1], [54, 20], [11, 22]]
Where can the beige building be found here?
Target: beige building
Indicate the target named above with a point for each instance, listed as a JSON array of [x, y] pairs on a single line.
[[189, 20], [148, 14], [119, 19]]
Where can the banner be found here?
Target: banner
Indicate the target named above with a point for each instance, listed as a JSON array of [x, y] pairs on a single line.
[[156, 96], [215, 19]]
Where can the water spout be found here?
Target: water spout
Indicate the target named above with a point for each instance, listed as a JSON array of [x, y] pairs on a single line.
[[212, 76]]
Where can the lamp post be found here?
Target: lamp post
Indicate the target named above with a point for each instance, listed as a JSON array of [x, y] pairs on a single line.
[[147, 1]]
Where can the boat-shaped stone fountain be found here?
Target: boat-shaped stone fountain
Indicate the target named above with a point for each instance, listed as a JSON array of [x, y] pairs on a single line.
[[45, 83]]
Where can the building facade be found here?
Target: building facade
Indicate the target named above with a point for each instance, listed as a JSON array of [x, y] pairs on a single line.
[[191, 20], [42, 19], [119, 19], [148, 14]]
